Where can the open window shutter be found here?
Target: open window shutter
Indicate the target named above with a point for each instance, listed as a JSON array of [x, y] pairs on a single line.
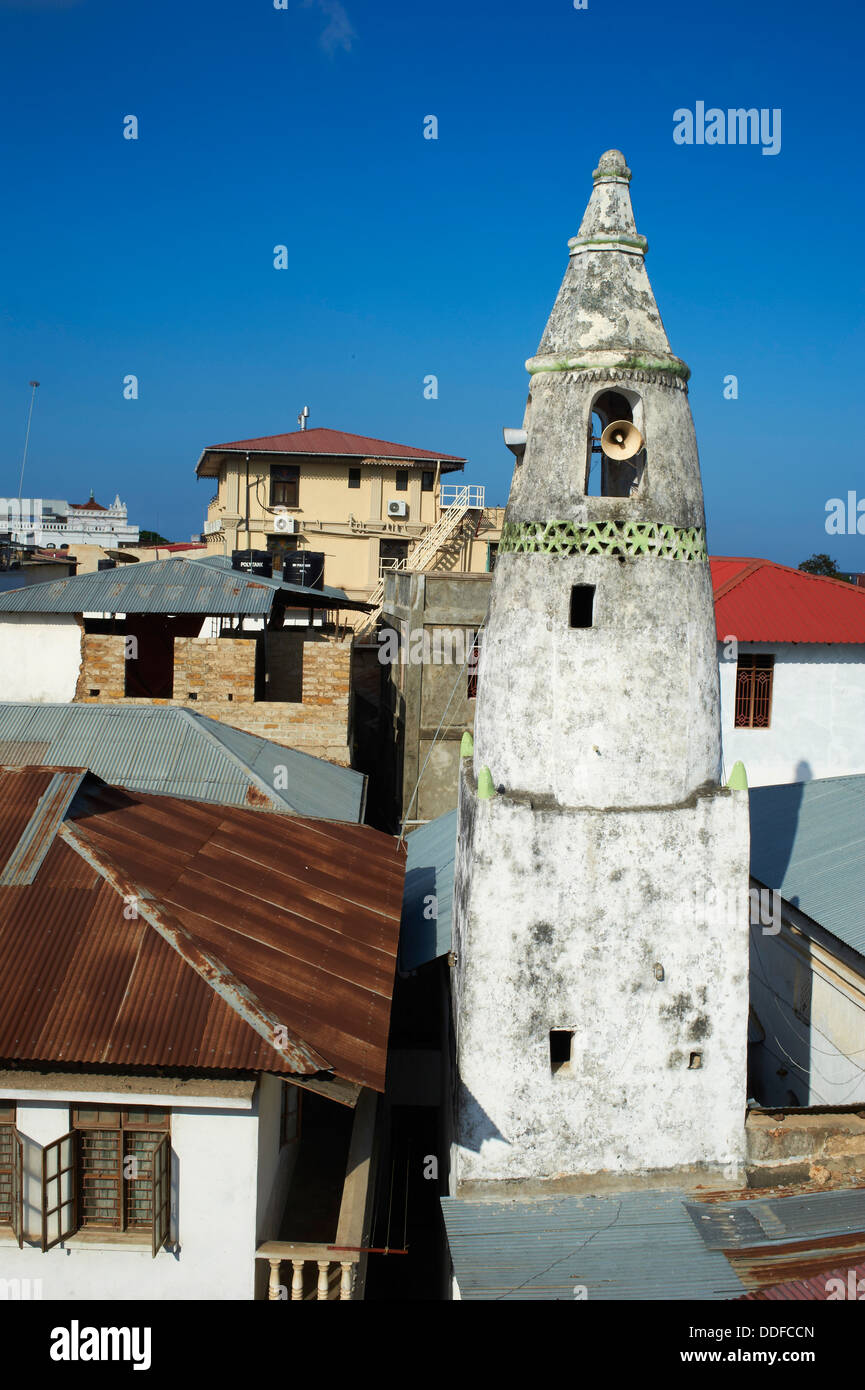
[[160, 1195], [59, 1190], [18, 1187]]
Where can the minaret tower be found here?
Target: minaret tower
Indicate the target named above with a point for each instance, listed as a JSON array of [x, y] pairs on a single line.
[[601, 906]]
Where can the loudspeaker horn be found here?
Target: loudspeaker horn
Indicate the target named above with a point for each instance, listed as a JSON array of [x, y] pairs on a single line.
[[621, 440]]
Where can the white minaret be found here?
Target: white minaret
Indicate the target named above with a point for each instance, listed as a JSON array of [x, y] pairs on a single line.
[[601, 905]]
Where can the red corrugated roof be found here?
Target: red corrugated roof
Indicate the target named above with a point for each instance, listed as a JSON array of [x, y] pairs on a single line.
[[851, 1277], [248, 922], [333, 442], [760, 601]]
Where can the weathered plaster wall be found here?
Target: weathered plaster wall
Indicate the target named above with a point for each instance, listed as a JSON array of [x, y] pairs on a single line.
[[561, 920], [575, 713], [40, 656], [818, 714]]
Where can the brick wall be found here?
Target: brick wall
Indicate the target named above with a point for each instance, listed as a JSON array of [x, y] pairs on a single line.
[[103, 667], [214, 668], [319, 724]]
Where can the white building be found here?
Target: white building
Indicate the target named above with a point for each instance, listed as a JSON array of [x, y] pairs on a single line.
[[791, 652], [601, 885], [178, 981], [54, 522], [807, 1031]]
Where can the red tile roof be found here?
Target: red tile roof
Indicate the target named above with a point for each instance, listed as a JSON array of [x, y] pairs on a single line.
[[331, 443], [89, 506], [759, 601], [247, 924]]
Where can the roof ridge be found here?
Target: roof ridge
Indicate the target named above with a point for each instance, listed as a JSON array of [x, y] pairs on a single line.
[[225, 984], [246, 768]]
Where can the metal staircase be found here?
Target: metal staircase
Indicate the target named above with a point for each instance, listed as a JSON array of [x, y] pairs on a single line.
[[457, 501]]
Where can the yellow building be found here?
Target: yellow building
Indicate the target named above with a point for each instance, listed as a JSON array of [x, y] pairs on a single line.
[[363, 504]]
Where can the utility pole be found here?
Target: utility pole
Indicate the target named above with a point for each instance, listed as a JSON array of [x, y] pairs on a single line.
[[34, 384]]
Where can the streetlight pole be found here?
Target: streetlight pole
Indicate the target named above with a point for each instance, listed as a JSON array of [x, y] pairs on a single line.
[[34, 384]]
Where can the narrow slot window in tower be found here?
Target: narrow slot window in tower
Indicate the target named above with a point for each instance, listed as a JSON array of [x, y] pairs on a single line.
[[561, 1043], [582, 605]]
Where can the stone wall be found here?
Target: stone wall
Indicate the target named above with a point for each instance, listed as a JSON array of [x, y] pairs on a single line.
[[103, 668], [215, 668]]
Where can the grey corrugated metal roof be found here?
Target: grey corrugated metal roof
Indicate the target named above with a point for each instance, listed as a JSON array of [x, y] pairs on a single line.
[[176, 752], [808, 842], [769, 1220], [175, 585], [429, 874], [632, 1245]]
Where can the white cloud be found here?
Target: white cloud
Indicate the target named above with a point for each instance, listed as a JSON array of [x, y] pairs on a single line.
[[338, 32]]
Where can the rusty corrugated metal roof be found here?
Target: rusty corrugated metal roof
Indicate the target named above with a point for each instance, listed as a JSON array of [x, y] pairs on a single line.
[[262, 942], [816, 1288]]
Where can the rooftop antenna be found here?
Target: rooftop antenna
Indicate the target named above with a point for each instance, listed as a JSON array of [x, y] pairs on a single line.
[[34, 384], [303, 417]]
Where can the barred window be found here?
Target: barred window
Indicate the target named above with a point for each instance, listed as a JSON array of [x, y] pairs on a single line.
[[115, 1165], [7, 1161], [754, 691]]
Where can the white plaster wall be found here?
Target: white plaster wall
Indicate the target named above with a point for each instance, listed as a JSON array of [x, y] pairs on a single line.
[[560, 920], [214, 1193], [818, 714], [40, 656], [275, 1161]]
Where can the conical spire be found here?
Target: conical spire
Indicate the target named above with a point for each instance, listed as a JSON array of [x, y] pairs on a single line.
[[605, 314]]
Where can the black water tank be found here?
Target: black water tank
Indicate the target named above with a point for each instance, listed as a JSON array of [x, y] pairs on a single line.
[[106, 564], [253, 562], [304, 567]]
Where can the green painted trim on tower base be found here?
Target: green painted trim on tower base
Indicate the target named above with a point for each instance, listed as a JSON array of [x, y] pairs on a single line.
[[604, 538]]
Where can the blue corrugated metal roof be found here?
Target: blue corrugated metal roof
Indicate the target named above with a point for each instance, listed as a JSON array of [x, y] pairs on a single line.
[[175, 585], [631, 1245], [176, 752], [426, 928], [808, 842]]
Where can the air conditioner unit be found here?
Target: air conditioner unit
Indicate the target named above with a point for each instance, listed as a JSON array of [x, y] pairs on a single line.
[[397, 508], [286, 524]]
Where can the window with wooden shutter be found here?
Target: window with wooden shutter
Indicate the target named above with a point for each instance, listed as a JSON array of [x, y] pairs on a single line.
[[11, 1172], [754, 691], [285, 485], [59, 1191], [116, 1175], [160, 1192]]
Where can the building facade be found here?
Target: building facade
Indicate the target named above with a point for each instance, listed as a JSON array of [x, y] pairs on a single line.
[[56, 523], [364, 505]]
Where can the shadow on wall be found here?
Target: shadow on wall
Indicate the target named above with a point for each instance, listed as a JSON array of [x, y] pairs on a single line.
[[476, 1125], [775, 814]]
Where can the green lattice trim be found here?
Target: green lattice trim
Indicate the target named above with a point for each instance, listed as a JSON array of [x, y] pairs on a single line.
[[604, 538]]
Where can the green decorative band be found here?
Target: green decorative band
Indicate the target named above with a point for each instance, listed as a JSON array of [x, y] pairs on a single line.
[[638, 361], [604, 538]]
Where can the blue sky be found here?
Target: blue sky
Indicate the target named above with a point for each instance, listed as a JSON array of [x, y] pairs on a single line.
[[408, 257]]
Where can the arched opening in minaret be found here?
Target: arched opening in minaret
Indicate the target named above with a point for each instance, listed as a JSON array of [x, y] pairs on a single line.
[[606, 475]]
